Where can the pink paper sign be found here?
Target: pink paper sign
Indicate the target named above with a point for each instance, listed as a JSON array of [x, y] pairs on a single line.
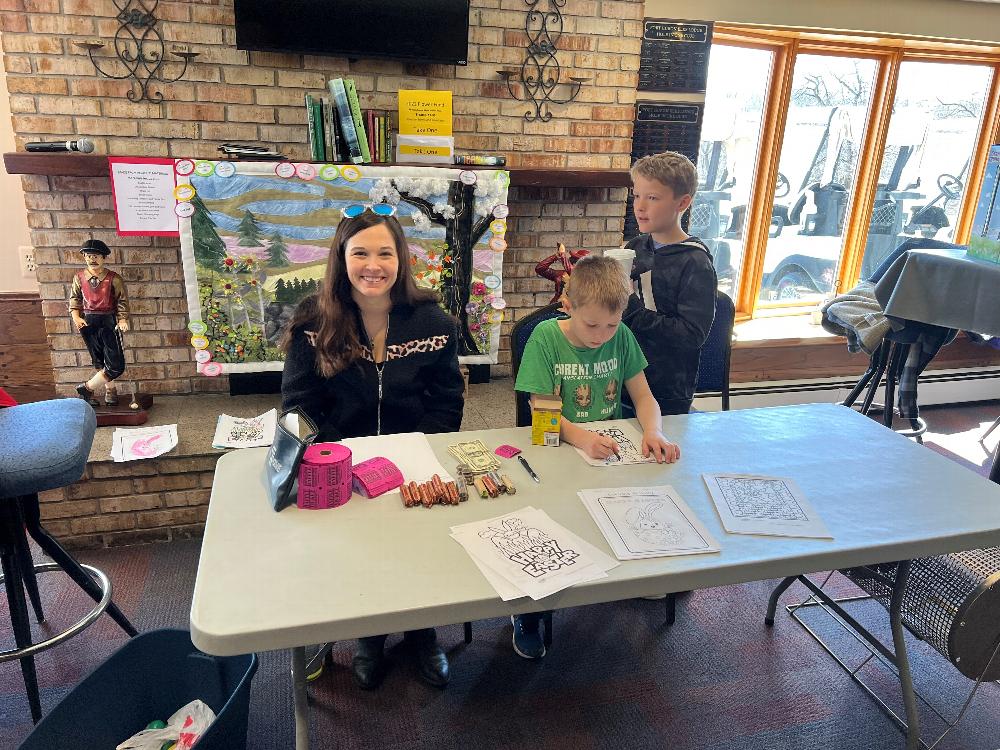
[[507, 451]]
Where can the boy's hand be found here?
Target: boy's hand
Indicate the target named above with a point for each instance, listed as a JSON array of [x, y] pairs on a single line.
[[662, 449], [123, 325], [79, 322], [601, 446]]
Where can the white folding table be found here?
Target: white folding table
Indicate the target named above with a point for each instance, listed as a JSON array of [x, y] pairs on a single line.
[[269, 581]]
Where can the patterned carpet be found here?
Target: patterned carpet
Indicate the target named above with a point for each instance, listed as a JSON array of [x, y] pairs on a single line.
[[615, 676]]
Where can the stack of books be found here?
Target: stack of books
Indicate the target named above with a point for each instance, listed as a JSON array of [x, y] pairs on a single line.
[[340, 131]]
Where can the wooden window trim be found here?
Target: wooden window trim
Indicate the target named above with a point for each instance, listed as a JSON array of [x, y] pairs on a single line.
[[890, 52]]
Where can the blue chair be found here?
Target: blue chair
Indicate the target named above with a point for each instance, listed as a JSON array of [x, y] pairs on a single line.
[[149, 678], [45, 446], [713, 369]]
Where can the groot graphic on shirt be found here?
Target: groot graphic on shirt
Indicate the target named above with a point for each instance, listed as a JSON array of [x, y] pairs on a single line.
[[583, 396], [611, 391]]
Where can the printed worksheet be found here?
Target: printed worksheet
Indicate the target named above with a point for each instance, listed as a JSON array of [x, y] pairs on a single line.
[[641, 522], [772, 506], [245, 432], [531, 553], [629, 445]]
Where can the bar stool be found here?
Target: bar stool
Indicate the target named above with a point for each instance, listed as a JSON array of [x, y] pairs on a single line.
[[890, 359], [45, 446]]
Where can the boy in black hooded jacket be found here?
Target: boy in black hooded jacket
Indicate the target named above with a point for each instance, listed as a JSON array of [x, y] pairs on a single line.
[[675, 281]]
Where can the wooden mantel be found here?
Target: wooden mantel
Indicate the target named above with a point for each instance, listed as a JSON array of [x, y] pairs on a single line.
[[96, 165]]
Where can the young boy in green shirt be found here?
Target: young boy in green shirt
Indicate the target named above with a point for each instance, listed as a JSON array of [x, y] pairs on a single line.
[[586, 358]]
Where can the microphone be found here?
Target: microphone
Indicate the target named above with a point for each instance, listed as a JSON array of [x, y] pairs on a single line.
[[83, 145]]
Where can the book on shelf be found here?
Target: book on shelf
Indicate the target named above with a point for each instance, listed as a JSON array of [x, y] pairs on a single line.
[[319, 148], [311, 124], [359, 123], [329, 130], [341, 103]]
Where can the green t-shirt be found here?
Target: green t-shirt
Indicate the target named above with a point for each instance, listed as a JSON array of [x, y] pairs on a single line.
[[589, 380]]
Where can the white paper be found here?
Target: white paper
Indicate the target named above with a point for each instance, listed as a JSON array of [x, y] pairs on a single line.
[[245, 432], [409, 451], [773, 506], [641, 522], [142, 442], [532, 552], [629, 444], [144, 197]]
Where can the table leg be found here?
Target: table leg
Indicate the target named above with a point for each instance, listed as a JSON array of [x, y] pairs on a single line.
[[301, 698], [902, 660]]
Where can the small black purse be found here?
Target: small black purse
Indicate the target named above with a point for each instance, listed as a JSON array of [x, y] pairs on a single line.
[[295, 432]]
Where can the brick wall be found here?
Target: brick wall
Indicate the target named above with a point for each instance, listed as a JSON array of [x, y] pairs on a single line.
[[141, 501], [230, 94]]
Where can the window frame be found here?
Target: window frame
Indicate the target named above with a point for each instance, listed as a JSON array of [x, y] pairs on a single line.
[[889, 53]]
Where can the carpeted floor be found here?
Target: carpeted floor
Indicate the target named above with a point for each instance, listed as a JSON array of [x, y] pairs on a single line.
[[615, 676]]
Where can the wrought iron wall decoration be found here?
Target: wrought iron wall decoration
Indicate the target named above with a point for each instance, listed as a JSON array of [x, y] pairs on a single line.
[[540, 72], [140, 49]]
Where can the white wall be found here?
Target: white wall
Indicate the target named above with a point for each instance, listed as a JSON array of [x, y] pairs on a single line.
[[950, 19], [13, 217]]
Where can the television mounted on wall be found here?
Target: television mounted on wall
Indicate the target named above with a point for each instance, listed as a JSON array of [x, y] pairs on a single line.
[[433, 31]]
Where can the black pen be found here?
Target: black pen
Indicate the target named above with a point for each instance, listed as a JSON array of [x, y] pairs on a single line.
[[529, 469]]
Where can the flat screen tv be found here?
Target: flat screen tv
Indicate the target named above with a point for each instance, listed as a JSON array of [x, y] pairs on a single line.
[[420, 30]]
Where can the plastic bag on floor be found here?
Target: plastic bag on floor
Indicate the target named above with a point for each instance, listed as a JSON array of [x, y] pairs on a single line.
[[184, 727]]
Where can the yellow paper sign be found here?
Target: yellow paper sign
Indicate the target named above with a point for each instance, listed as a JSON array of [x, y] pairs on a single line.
[[424, 150], [424, 112]]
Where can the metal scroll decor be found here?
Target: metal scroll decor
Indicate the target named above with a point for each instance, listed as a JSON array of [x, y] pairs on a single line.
[[540, 72], [140, 50]]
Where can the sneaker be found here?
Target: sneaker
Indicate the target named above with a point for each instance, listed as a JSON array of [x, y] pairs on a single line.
[[527, 641], [87, 395]]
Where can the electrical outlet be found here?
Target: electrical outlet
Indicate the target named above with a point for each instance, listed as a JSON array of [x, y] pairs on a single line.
[[27, 256]]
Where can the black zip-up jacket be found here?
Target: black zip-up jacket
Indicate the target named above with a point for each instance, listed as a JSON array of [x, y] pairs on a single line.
[[422, 387], [683, 282]]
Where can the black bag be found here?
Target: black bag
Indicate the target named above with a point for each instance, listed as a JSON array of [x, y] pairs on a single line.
[[295, 433]]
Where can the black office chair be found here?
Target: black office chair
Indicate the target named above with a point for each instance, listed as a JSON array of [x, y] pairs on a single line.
[[713, 369]]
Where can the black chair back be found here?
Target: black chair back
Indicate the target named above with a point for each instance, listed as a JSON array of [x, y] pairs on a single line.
[[519, 336], [713, 369]]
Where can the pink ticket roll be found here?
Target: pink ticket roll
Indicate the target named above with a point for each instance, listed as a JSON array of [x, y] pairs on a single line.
[[325, 476], [376, 476]]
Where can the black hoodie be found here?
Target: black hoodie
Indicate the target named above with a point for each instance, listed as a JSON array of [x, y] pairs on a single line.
[[683, 283], [421, 382]]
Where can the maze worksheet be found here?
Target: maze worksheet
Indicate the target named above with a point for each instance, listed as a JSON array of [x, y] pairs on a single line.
[[750, 504]]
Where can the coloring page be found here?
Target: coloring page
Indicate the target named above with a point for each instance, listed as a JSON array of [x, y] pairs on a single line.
[[245, 432], [773, 506], [629, 445], [643, 522], [142, 442], [532, 552]]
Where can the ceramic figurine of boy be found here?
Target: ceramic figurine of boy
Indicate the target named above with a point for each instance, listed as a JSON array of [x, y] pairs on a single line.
[[98, 303]]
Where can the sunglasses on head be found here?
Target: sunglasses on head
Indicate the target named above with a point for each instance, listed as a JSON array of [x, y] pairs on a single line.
[[380, 209]]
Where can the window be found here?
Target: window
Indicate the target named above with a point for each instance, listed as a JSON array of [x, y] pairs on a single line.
[[730, 139], [821, 153]]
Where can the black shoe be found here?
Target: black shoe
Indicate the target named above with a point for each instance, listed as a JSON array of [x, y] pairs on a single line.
[[87, 395], [433, 664], [368, 664]]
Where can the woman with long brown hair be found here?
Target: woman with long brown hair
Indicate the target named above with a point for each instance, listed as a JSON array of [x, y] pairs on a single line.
[[371, 354]]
